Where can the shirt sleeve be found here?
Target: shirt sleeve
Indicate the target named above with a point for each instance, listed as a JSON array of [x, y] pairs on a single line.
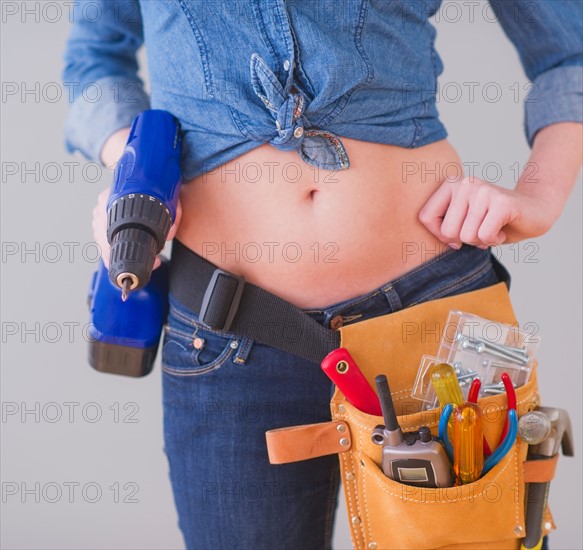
[[101, 73], [548, 35]]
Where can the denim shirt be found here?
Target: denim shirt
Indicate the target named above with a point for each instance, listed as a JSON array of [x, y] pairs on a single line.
[[298, 74]]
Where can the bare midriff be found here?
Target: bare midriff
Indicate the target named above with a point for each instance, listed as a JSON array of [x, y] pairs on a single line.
[[315, 237]]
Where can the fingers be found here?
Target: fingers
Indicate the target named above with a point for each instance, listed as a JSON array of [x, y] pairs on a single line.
[[172, 232], [469, 231], [455, 216], [99, 225], [434, 210], [490, 231], [174, 228], [468, 211]]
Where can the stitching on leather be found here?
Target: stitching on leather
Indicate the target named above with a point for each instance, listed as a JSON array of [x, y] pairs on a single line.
[[424, 501], [348, 493], [365, 498], [491, 409], [516, 474], [347, 457]]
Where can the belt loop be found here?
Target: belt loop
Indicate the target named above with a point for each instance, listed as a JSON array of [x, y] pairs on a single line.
[[245, 345], [392, 297]]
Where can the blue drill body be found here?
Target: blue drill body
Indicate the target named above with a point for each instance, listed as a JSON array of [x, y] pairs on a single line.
[[150, 163], [125, 333]]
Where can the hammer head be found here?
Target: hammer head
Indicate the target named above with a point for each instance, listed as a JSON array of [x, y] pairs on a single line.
[[561, 434]]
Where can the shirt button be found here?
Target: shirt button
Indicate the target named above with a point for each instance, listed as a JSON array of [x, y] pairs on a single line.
[[299, 132], [336, 322], [286, 65]]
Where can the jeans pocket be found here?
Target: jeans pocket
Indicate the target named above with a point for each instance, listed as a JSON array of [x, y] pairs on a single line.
[[190, 349]]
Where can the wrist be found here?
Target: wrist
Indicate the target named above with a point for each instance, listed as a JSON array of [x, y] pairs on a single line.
[[553, 166], [113, 147]]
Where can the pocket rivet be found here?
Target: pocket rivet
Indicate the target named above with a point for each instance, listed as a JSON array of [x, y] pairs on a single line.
[[234, 344], [344, 442], [349, 476], [518, 530], [372, 545], [341, 428], [355, 520], [197, 343]]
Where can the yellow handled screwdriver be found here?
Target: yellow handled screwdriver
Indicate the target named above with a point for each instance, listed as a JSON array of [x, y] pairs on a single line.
[[468, 456], [446, 385]]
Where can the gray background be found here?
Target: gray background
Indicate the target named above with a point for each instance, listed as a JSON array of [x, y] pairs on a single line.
[[44, 363]]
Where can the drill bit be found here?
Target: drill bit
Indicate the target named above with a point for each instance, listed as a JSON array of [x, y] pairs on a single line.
[[125, 290]]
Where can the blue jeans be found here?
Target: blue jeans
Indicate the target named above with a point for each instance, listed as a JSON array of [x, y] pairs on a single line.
[[222, 393]]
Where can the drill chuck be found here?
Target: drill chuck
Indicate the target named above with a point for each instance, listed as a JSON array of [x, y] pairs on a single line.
[[137, 229]]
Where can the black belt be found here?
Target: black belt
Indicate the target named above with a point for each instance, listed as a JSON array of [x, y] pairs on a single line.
[[226, 302]]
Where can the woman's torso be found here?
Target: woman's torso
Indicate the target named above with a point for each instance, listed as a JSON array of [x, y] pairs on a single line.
[[250, 81], [315, 237]]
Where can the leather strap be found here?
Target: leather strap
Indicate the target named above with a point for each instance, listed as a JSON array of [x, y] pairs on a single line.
[[308, 441], [541, 470]]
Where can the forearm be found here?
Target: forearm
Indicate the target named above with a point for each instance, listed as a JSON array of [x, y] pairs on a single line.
[[554, 164]]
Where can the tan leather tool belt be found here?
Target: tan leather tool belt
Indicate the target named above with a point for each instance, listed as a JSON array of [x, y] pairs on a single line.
[[383, 513]]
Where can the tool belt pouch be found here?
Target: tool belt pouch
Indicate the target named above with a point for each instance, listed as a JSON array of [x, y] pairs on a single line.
[[383, 513]]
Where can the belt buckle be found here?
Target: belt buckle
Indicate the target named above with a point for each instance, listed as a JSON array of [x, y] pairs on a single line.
[[212, 302]]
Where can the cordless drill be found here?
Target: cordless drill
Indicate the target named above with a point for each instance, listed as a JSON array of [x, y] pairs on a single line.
[[129, 302]]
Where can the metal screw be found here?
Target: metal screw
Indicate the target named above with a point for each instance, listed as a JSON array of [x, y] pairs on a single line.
[[495, 387], [481, 347], [372, 545], [466, 375], [350, 476], [504, 350], [344, 442], [341, 428], [355, 520]]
